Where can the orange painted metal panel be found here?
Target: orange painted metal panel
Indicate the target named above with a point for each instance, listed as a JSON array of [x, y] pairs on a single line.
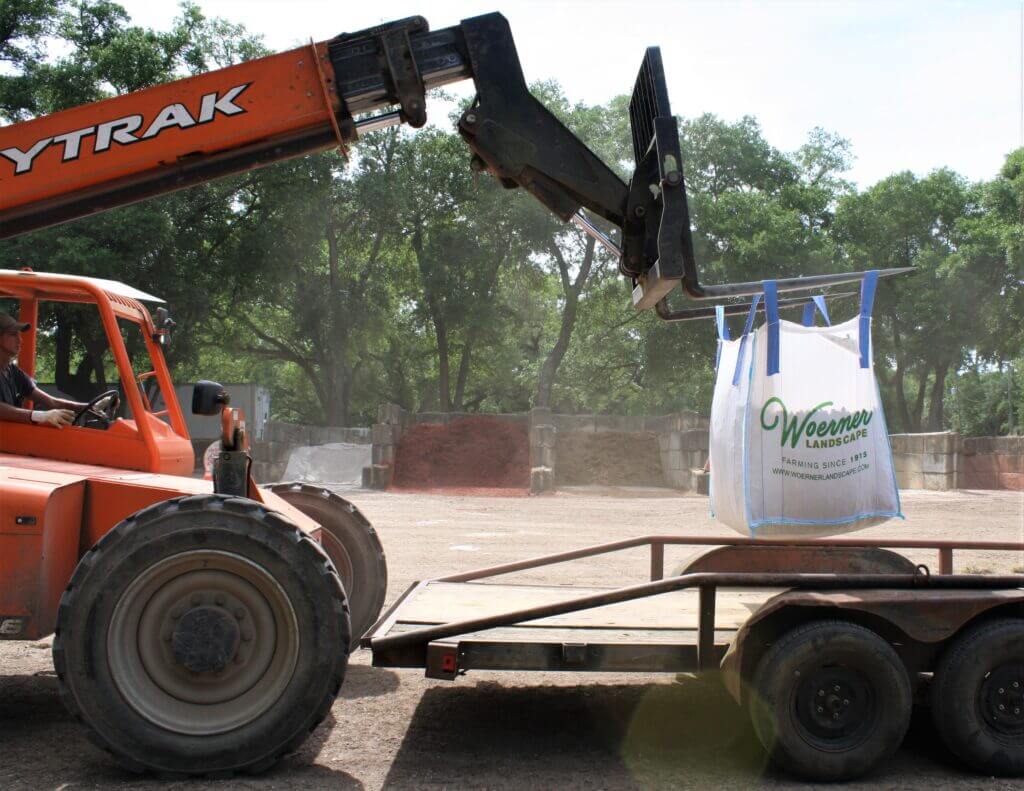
[[157, 128], [119, 445], [40, 519]]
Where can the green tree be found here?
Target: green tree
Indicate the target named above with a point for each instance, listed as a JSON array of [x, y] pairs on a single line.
[[925, 323]]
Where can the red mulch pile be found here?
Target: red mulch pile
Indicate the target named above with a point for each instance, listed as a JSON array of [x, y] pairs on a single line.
[[469, 452]]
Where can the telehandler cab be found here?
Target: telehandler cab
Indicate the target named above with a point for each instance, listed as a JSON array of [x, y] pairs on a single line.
[[204, 629], [198, 627]]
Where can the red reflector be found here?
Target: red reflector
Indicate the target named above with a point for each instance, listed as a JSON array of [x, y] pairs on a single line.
[[448, 663]]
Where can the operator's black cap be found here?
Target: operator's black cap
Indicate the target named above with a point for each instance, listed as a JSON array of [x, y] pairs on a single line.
[[8, 323]]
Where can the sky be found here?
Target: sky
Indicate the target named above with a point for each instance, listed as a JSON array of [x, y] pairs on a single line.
[[913, 85]]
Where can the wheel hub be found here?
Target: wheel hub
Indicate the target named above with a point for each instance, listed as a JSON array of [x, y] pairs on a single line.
[[834, 708], [205, 640], [1001, 698], [202, 642]]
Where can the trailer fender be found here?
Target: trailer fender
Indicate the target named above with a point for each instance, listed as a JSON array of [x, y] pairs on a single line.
[[908, 617], [783, 559]]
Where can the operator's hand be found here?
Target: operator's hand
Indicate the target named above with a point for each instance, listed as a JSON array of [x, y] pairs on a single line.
[[58, 418], [103, 403]]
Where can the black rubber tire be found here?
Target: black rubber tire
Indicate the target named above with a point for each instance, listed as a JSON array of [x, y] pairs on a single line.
[[823, 649], [367, 582], [160, 534], [957, 697]]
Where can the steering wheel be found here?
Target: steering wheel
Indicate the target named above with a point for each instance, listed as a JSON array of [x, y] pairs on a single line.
[[89, 410]]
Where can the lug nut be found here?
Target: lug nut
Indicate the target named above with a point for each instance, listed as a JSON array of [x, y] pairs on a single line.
[[835, 716], [470, 118], [219, 599], [1016, 684], [820, 710], [1001, 690], [836, 688], [821, 693], [1002, 707], [846, 702]]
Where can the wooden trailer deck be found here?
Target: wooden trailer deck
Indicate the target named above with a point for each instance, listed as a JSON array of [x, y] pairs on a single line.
[[653, 634], [680, 624]]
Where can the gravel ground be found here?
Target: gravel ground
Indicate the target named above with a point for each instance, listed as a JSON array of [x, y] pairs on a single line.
[[396, 729]]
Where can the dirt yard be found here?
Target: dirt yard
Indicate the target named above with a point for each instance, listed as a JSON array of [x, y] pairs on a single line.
[[489, 730]]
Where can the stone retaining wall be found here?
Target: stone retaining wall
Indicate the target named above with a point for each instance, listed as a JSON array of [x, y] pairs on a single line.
[[992, 463], [926, 461], [938, 462], [270, 455], [682, 440]]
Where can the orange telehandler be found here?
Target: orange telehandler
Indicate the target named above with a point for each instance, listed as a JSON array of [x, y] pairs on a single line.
[[204, 628]]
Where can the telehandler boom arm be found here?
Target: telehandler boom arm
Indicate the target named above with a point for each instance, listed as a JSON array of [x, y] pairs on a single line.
[[91, 158], [99, 156]]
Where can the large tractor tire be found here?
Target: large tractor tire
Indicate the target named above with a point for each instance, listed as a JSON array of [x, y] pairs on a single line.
[[351, 543], [202, 636]]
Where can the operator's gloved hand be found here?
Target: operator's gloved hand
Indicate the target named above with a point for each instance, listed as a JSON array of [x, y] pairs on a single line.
[[103, 403], [58, 418]]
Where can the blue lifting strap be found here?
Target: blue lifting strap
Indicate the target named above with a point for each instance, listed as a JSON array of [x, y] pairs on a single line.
[[817, 303], [771, 309], [867, 301], [743, 339]]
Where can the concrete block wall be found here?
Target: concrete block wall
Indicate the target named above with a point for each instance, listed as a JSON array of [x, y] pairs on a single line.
[[992, 463], [682, 441], [542, 450], [270, 455], [927, 461]]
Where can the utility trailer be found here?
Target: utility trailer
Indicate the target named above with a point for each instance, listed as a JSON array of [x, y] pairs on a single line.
[[828, 660]]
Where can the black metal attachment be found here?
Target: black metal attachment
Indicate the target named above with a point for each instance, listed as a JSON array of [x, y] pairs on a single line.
[[657, 241], [515, 138], [231, 473], [387, 49]]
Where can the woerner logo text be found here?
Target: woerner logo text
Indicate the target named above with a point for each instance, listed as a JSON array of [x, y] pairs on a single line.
[[821, 433]]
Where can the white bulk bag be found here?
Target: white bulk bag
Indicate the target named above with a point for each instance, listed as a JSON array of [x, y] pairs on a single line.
[[799, 446]]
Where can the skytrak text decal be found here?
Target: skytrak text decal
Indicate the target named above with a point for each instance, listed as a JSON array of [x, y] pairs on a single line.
[[122, 131]]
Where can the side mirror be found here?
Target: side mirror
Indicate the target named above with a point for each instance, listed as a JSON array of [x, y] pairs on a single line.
[[208, 398]]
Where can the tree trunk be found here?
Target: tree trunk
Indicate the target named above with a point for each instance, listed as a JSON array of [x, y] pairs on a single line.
[[936, 412], [917, 415], [572, 291], [899, 380], [444, 392], [463, 373]]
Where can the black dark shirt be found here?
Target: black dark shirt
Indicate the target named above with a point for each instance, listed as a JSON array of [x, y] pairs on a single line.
[[15, 385]]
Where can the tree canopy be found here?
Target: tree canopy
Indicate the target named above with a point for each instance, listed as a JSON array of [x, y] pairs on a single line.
[[401, 276]]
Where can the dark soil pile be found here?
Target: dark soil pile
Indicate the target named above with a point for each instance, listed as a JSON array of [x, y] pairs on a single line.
[[608, 458], [469, 452]]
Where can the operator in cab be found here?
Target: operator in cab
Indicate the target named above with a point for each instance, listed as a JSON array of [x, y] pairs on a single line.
[[16, 385]]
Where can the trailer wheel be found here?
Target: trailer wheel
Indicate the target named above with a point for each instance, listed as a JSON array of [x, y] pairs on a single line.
[[978, 697], [202, 635], [351, 542], [830, 700]]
